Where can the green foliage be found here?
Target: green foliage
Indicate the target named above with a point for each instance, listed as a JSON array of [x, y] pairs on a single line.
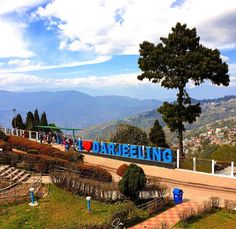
[[3, 136], [132, 182], [157, 135], [176, 61], [43, 120], [30, 121], [36, 118], [129, 134], [224, 153]]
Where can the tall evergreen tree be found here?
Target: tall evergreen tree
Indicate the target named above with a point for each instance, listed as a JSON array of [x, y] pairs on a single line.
[[43, 120], [36, 118], [174, 62], [157, 135], [29, 121]]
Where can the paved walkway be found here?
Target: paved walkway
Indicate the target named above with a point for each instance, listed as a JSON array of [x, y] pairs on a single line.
[[170, 217]]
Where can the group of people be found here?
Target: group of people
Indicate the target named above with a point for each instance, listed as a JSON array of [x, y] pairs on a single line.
[[56, 138]]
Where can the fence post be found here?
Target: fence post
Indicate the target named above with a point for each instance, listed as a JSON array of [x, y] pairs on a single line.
[[194, 164], [37, 136], [232, 169], [5, 130], [177, 159], [212, 167], [29, 134], [12, 131]]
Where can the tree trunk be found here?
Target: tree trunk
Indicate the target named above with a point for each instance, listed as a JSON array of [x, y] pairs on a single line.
[[181, 150], [180, 130]]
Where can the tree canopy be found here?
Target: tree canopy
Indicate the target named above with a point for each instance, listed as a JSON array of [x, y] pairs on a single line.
[[157, 135], [126, 133], [29, 121], [176, 61]]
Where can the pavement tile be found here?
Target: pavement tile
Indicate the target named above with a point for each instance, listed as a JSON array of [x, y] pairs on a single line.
[[170, 216]]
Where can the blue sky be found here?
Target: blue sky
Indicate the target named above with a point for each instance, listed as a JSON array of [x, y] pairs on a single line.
[[92, 46]]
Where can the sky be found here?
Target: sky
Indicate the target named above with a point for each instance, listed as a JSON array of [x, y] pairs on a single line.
[[93, 46]]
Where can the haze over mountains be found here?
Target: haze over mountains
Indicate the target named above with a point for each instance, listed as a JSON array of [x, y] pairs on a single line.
[[212, 111], [71, 108]]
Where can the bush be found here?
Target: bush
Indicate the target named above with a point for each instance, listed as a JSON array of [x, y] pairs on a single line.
[[121, 170], [93, 172], [3, 136], [132, 182], [215, 201], [5, 146], [186, 214]]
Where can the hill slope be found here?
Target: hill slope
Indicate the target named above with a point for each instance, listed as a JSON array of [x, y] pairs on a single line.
[[212, 110], [71, 108]]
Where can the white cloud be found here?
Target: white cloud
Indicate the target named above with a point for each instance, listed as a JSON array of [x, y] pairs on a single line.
[[18, 81], [12, 40], [7, 6], [224, 58], [119, 26], [12, 43], [232, 68], [19, 62], [27, 68]]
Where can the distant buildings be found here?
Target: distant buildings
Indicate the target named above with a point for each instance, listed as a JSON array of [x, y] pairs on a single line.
[[217, 136]]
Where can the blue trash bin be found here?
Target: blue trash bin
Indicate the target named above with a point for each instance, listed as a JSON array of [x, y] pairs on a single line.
[[178, 195]]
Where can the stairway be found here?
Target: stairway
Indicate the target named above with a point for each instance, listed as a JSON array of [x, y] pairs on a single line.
[[15, 175]]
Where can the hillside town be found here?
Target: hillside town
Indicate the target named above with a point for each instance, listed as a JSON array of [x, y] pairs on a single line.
[[214, 136]]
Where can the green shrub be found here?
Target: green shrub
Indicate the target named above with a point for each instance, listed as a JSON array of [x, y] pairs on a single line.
[[3, 136], [132, 182]]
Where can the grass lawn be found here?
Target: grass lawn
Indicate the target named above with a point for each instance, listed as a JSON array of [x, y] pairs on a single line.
[[220, 219], [60, 209]]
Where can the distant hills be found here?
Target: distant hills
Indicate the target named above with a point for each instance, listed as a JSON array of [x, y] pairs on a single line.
[[212, 110], [71, 108]]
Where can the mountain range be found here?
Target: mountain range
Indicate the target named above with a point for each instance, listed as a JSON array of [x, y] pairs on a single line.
[[71, 108], [212, 111]]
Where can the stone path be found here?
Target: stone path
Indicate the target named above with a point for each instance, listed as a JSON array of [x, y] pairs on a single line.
[[170, 217]]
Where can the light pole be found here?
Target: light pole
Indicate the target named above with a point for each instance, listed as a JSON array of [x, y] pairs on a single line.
[[14, 114]]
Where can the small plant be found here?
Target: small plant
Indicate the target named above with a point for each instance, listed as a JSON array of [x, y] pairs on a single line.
[[164, 225], [215, 201], [186, 214], [229, 204]]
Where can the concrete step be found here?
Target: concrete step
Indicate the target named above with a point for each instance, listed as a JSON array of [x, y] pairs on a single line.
[[12, 173], [6, 172], [23, 178], [4, 167], [18, 175]]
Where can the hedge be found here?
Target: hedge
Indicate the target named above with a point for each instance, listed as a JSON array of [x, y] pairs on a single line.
[[5, 146], [93, 172], [38, 148], [44, 163]]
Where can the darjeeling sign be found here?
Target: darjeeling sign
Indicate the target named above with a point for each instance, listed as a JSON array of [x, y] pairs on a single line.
[[129, 151]]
